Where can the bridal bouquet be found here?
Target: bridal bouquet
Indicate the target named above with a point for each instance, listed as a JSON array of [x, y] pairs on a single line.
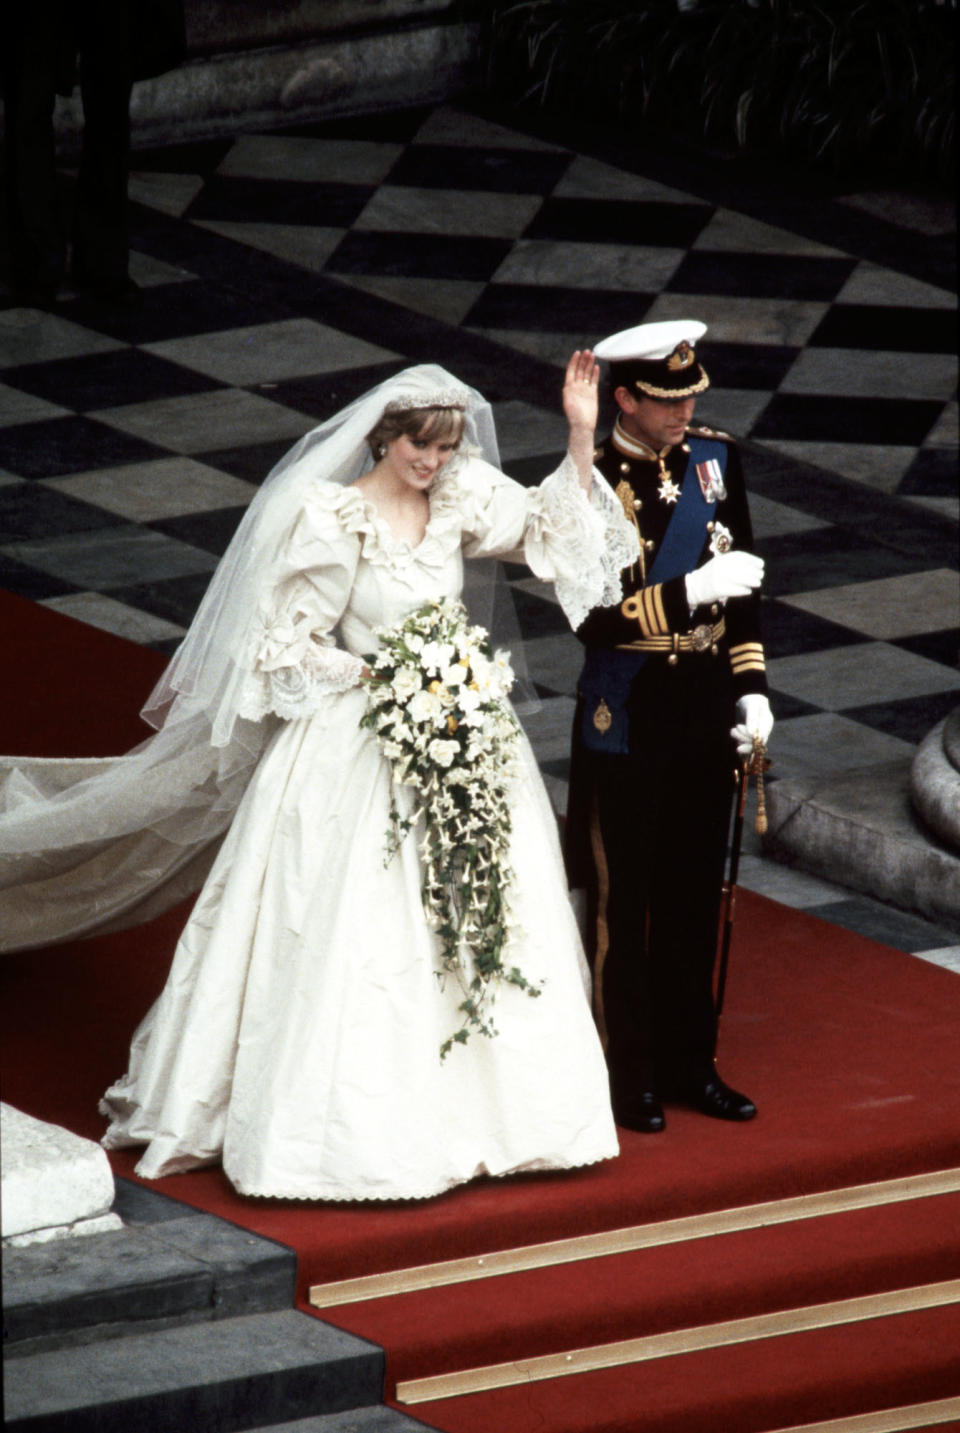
[[436, 702]]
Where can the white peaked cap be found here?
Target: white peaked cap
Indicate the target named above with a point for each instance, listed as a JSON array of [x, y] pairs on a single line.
[[649, 341]]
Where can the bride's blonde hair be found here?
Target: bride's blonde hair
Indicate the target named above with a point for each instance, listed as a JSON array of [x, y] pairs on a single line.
[[440, 425]]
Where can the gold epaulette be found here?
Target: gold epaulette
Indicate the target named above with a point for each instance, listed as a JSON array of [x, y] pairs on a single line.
[[700, 430]]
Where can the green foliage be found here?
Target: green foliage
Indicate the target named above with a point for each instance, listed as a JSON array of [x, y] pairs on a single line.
[[863, 88]]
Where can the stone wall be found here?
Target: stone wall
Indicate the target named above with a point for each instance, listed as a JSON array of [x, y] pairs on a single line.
[[252, 65]]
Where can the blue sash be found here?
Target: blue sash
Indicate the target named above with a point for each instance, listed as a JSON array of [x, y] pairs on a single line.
[[608, 674]]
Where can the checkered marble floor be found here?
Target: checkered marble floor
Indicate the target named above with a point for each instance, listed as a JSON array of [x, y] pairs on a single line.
[[285, 272]]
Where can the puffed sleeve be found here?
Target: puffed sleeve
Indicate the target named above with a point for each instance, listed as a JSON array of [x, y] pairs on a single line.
[[294, 661], [581, 544]]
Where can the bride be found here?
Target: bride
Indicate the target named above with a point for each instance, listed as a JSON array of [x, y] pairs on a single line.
[[297, 1038]]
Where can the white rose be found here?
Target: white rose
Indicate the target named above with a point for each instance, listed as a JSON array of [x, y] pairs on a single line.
[[435, 655], [424, 707], [468, 700], [405, 683], [454, 675], [482, 671], [443, 752]]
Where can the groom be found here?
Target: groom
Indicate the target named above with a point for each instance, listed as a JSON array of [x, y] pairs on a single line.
[[653, 760]]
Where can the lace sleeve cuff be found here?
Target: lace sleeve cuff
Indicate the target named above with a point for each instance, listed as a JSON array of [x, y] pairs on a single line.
[[296, 669], [580, 544]]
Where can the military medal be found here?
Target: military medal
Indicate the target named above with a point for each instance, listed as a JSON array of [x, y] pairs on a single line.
[[710, 478], [668, 491]]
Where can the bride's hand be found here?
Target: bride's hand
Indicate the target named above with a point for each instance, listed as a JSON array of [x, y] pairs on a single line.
[[580, 390]]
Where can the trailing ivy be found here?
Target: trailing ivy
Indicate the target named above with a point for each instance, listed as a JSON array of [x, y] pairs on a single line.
[[865, 89]]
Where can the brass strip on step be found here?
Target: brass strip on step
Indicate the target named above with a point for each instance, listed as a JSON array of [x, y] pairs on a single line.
[[639, 1236], [885, 1420], [679, 1341]]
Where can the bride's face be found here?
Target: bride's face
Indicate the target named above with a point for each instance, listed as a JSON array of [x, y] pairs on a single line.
[[415, 461]]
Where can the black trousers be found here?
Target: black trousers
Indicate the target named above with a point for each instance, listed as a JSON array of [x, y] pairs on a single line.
[[658, 822], [42, 39]]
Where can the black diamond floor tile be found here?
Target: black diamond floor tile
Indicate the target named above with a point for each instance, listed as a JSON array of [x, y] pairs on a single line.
[[199, 157], [279, 201], [531, 471], [560, 767], [903, 330], [932, 474], [502, 171], [816, 418], [828, 557], [175, 598], [69, 445], [936, 646], [909, 718], [107, 380], [30, 582], [425, 256], [30, 510], [251, 462], [175, 311], [394, 127], [885, 925], [538, 616], [620, 221], [323, 394], [540, 308], [747, 365], [787, 630], [785, 706], [773, 276], [210, 531]]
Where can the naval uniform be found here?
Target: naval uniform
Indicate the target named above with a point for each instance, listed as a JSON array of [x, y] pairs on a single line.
[[653, 760]]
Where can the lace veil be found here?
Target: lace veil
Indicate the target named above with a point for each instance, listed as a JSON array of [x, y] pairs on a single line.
[[101, 839]]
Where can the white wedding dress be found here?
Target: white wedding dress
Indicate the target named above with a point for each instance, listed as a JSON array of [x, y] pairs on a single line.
[[298, 1036]]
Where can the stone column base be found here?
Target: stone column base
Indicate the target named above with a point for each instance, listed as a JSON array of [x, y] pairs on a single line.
[[55, 1184]]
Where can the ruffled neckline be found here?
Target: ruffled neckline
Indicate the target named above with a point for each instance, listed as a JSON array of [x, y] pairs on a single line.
[[358, 515]]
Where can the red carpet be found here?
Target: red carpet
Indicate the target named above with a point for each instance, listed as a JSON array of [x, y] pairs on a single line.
[[849, 1048]]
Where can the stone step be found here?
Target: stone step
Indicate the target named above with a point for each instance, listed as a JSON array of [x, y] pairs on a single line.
[[230, 1374], [858, 829], [168, 1264], [377, 1419]]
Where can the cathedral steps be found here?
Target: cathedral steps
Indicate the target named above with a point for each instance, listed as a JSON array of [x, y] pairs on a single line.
[[177, 1321], [718, 1322], [873, 1376]]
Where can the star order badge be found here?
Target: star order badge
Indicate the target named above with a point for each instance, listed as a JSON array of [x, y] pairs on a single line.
[[722, 539], [668, 491]]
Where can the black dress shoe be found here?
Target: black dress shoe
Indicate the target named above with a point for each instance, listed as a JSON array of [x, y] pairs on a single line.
[[712, 1097], [642, 1112]]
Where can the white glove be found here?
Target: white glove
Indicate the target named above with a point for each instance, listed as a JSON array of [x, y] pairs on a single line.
[[729, 574], [757, 721]]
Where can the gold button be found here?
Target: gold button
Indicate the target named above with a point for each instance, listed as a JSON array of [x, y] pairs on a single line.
[[714, 610], [672, 659], [649, 544], [638, 503], [710, 526], [624, 467], [714, 650], [598, 452]]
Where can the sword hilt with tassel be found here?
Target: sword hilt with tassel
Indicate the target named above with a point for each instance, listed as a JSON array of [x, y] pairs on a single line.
[[757, 765]]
